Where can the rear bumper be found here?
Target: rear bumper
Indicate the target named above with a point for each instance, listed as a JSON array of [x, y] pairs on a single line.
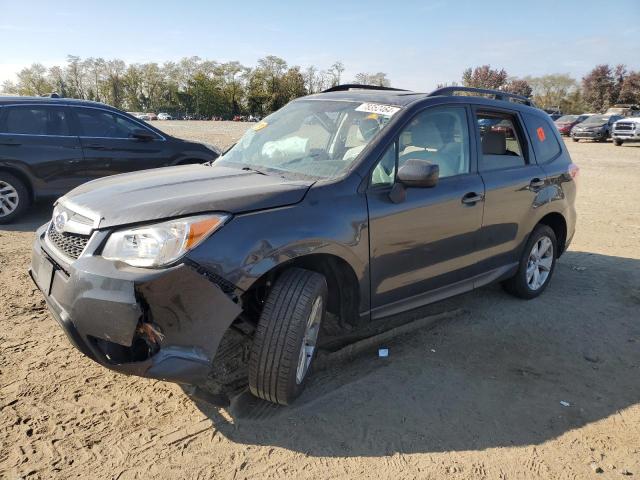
[[102, 308]]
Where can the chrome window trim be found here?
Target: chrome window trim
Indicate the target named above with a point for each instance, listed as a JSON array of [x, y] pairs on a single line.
[[134, 120], [37, 135]]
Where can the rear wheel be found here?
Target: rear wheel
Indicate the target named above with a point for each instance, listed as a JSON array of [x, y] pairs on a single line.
[[14, 198], [536, 266], [285, 341], [575, 139]]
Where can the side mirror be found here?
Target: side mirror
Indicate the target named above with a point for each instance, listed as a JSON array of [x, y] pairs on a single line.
[[418, 173], [142, 134], [414, 173]]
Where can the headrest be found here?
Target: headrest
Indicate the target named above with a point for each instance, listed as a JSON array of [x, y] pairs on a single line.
[[426, 135], [494, 143]]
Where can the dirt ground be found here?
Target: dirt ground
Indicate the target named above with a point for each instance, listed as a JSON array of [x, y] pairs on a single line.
[[476, 396]]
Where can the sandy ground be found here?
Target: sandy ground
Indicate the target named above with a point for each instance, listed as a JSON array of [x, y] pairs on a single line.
[[475, 396]]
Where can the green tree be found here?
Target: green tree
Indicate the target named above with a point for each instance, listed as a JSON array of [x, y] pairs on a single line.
[[598, 88], [484, 77]]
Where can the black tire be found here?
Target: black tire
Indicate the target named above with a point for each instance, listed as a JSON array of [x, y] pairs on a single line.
[[518, 284], [9, 181], [575, 139], [617, 142], [277, 342]]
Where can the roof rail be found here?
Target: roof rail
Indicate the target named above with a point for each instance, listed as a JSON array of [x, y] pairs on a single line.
[[498, 94], [357, 86]]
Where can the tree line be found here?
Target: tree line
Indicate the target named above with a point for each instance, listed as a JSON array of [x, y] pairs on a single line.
[[206, 88], [599, 89], [195, 86]]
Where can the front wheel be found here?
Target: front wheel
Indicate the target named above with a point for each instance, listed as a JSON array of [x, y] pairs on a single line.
[[617, 142], [575, 139], [285, 341], [536, 265], [14, 198]]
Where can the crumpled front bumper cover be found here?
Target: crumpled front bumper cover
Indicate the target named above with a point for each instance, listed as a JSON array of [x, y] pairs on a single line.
[[98, 302]]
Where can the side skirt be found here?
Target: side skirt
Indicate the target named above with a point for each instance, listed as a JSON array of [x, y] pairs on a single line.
[[441, 293]]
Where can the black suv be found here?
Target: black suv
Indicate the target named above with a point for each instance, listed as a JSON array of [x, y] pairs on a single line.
[[49, 146], [358, 201]]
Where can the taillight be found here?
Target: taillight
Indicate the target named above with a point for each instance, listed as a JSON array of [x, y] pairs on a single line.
[[573, 170]]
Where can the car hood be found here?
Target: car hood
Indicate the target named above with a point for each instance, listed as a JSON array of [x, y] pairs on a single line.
[[162, 193]]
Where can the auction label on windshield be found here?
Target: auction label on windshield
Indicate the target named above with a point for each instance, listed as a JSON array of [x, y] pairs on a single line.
[[385, 110]]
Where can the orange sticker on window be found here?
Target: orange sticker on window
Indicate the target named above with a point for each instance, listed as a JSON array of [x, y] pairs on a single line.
[[541, 135]]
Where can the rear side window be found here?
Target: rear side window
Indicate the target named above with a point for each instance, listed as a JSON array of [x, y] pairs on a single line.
[[502, 145], [103, 124], [545, 143], [35, 120]]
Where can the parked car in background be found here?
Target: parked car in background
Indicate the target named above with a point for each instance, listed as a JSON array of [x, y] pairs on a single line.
[[554, 112], [49, 146], [164, 116], [596, 127], [566, 122], [626, 130], [362, 203], [624, 109]]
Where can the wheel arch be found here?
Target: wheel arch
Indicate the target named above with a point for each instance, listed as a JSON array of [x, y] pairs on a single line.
[[558, 224], [342, 283]]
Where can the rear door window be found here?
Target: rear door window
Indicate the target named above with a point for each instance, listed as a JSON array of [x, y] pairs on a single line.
[[502, 143], [35, 120], [545, 142]]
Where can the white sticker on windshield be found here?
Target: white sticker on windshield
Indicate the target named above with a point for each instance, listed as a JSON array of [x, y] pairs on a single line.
[[385, 110]]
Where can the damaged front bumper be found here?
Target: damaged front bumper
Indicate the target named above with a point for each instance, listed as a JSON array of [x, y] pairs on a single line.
[[165, 324]]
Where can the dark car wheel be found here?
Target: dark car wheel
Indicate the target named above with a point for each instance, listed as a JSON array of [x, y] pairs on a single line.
[[575, 139], [536, 266], [285, 341], [617, 142], [14, 198]]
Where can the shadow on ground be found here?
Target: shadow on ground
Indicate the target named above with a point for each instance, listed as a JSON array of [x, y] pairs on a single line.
[[492, 377], [37, 215]]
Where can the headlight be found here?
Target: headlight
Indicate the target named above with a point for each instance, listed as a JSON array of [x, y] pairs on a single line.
[[161, 243]]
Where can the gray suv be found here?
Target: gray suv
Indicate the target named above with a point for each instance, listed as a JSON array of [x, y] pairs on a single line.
[[359, 202]]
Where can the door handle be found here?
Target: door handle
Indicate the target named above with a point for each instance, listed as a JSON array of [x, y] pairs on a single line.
[[536, 183], [472, 198]]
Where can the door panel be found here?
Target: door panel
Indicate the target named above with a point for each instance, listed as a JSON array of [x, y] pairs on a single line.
[[426, 242], [429, 239], [109, 156], [512, 180]]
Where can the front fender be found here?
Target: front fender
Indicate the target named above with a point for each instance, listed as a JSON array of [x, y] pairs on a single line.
[[324, 222]]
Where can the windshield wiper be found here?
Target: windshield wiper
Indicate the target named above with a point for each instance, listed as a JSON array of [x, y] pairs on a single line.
[[254, 170]]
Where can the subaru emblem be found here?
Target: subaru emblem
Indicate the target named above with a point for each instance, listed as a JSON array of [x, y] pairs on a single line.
[[59, 222]]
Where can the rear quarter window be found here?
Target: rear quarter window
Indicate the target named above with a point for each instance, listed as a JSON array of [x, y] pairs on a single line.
[[543, 138]]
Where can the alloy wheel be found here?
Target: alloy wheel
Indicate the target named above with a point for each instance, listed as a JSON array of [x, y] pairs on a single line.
[[539, 263], [9, 198], [309, 340]]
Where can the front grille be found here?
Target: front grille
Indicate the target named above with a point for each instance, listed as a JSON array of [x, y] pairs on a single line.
[[624, 126], [69, 244]]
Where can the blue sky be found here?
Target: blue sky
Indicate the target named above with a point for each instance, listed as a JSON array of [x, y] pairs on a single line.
[[418, 44]]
